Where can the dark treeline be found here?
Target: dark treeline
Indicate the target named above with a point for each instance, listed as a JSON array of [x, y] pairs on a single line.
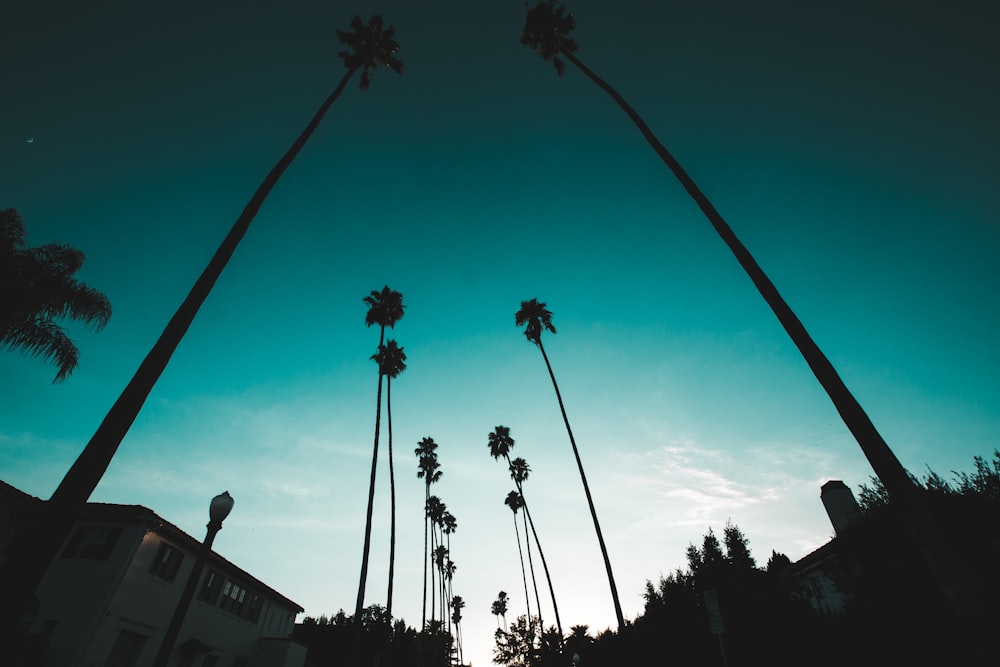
[[893, 611]]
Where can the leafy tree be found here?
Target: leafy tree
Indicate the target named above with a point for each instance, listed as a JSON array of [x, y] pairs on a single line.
[[536, 318], [428, 470], [547, 30], [37, 288], [391, 361], [368, 46], [385, 308]]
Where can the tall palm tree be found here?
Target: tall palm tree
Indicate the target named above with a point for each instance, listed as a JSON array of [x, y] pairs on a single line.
[[433, 510], [368, 46], [391, 362], [500, 443], [385, 308], [514, 502], [536, 318], [38, 289], [547, 30], [427, 469], [457, 605]]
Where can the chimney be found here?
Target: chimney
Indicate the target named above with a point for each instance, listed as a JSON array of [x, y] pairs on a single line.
[[840, 504]]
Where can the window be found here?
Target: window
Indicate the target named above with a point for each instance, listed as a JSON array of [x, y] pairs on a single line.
[[167, 562], [92, 542], [254, 607], [233, 598], [211, 587]]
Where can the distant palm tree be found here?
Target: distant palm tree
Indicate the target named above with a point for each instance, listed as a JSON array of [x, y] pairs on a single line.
[[38, 288], [385, 308], [427, 469], [519, 471], [535, 318], [499, 608], [514, 502], [500, 443], [457, 605], [368, 46], [433, 509], [547, 30], [391, 361]]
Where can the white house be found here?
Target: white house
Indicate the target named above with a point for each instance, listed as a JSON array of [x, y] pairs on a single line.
[[108, 597]]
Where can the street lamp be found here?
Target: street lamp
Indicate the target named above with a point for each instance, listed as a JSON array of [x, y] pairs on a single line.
[[218, 510]]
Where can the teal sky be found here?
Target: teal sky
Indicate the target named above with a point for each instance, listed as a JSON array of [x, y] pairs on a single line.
[[852, 150]]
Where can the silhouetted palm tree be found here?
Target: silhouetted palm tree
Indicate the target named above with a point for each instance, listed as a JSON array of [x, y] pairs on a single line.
[[385, 308], [427, 469], [500, 443], [433, 510], [535, 318], [457, 605], [519, 471], [38, 288], [391, 361], [499, 608], [547, 30], [369, 46], [514, 502]]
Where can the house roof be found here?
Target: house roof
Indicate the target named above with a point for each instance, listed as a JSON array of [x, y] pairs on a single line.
[[140, 514]]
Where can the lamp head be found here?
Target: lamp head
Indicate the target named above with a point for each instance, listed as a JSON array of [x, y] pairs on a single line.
[[220, 507]]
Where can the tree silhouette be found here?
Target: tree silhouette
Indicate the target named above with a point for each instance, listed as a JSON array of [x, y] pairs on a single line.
[[500, 443], [38, 289], [427, 469], [369, 46], [536, 318], [547, 30], [499, 608], [391, 361], [385, 308], [514, 502]]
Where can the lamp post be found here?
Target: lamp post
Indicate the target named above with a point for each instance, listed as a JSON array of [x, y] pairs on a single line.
[[218, 510]]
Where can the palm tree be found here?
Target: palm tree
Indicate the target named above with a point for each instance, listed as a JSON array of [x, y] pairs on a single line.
[[433, 509], [514, 502], [391, 362], [500, 443], [385, 308], [499, 608], [38, 289], [427, 469], [368, 46], [519, 471], [457, 605], [547, 30], [536, 318]]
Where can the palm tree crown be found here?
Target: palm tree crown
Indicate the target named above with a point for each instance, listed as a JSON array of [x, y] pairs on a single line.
[[385, 307], [369, 46], [537, 317], [39, 288], [500, 442], [390, 358], [519, 470], [546, 30]]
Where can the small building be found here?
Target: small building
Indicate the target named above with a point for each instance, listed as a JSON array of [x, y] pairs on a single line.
[[112, 590]]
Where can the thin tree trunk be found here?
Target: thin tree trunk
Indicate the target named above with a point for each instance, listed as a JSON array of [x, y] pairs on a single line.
[[31, 553], [883, 461], [359, 605], [392, 497], [531, 568], [427, 497], [524, 574], [586, 489]]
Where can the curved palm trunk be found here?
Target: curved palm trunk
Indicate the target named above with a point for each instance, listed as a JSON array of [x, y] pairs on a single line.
[[392, 497], [359, 605], [885, 464], [586, 490], [30, 556]]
